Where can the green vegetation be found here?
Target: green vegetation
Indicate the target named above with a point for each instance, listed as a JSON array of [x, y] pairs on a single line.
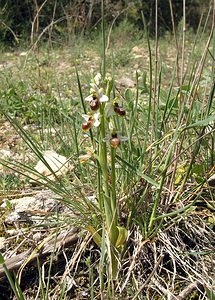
[[39, 21], [138, 163]]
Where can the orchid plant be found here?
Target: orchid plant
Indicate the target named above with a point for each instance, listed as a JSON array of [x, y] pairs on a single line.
[[102, 114]]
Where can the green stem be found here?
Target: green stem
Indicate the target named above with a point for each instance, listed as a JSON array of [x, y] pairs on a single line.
[[113, 182], [103, 153], [99, 187], [114, 264], [104, 169], [18, 295], [103, 41], [108, 205]]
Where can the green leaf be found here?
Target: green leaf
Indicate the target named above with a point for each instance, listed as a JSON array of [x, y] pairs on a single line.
[[173, 103], [129, 95], [210, 294], [149, 179], [181, 171], [198, 169], [211, 220], [186, 88], [2, 261], [122, 236], [96, 236], [204, 122], [139, 173]]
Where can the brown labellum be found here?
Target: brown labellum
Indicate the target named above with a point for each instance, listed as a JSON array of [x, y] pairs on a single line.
[[94, 104], [86, 125], [121, 111], [115, 142]]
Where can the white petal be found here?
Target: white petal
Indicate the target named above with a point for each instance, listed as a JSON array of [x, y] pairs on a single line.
[[123, 138], [96, 123], [94, 88], [97, 78], [100, 92], [96, 119], [111, 126], [97, 115], [89, 98], [104, 98], [86, 117]]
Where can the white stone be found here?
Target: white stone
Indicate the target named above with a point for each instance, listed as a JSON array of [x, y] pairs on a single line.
[[58, 164]]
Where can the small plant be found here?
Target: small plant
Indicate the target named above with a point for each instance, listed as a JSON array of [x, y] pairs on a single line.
[[29, 106], [9, 182], [104, 115]]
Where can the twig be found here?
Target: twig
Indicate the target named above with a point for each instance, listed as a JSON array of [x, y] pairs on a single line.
[[111, 27], [188, 290], [13, 33], [17, 261], [132, 265], [149, 278], [165, 292]]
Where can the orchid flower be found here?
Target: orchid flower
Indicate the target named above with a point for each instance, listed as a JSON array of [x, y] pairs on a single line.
[[96, 94], [90, 121], [113, 108], [115, 139]]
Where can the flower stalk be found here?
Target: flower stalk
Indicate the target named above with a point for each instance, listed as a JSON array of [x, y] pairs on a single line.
[[103, 114], [108, 198], [113, 183]]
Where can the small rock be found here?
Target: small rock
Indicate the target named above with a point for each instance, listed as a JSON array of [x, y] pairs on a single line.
[[59, 165], [84, 294], [5, 153], [136, 49], [211, 181], [23, 53], [126, 82], [26, 208], [12, 218], [2, 242], [44, 200], [37, 236], [51, 131]]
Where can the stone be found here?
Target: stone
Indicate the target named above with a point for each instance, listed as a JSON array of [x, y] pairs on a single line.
[[58, 164], [30, 209], [211, 181], [126, 82]]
